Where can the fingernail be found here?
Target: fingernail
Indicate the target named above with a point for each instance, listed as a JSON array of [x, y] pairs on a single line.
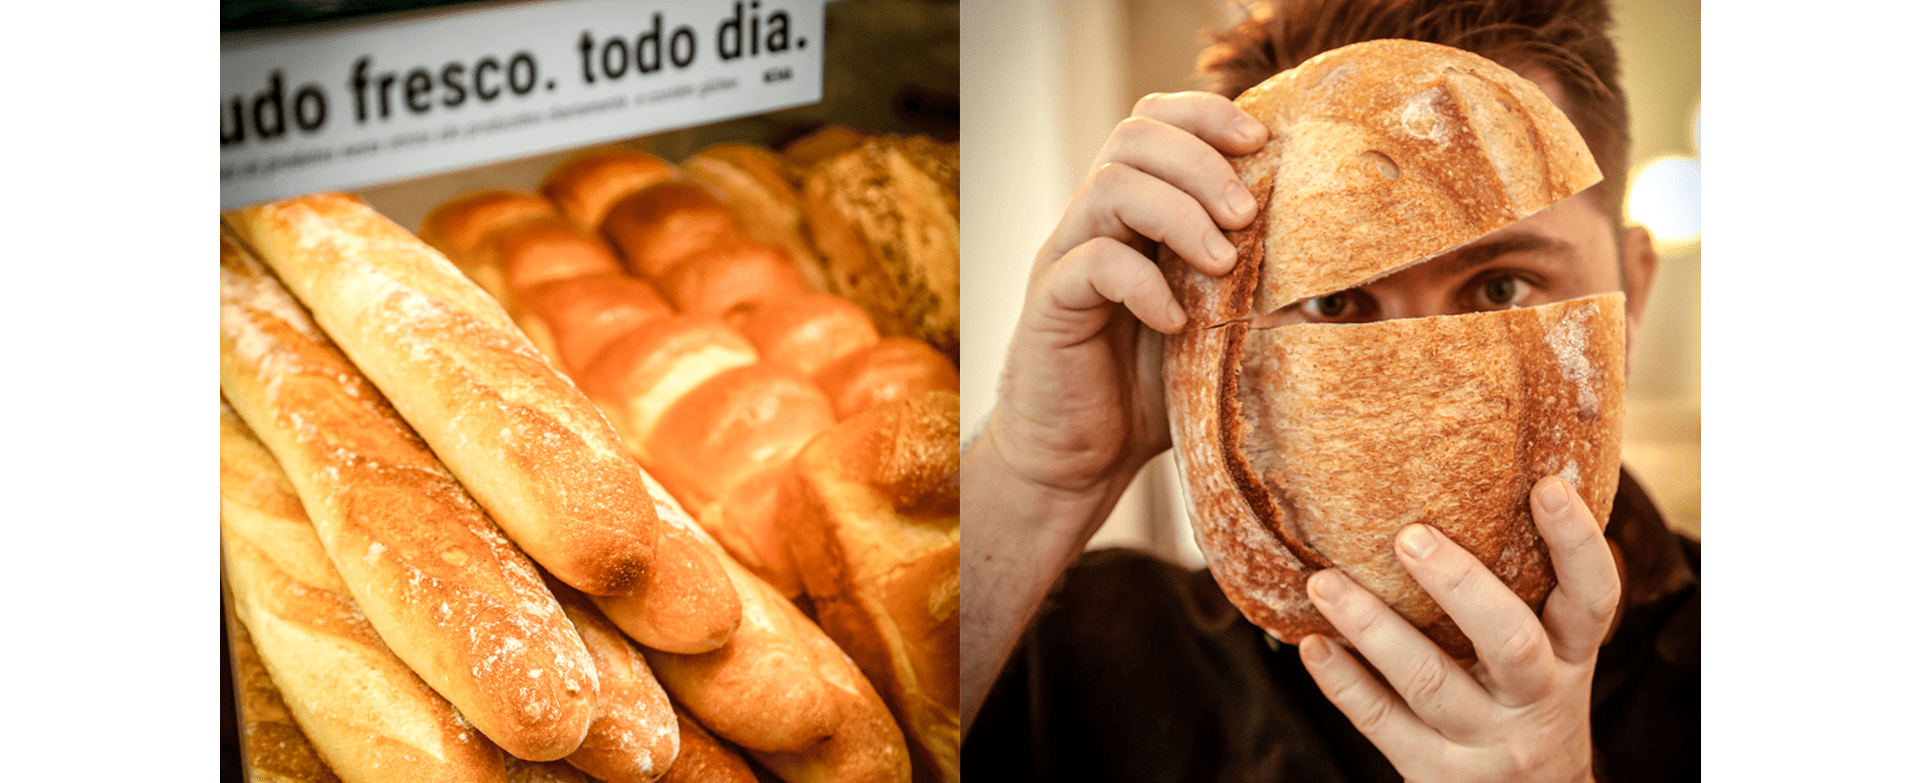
[[1218, 247], [1248, 129], [1176, 315], [1315, 650], [1238, 199], [1418, 541], [1326, 585], [1553, 495]]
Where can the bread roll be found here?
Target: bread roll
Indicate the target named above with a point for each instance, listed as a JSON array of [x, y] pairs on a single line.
[[806, 332], [704, 759], [578, 317], [633, 738], [543, 250], [273, 748], [752, 181], [659, 226], [447, 593], [638, 376], [1383, 154], [748, 521], [890, 233], [534, 452], [1310, 446], [730, 273], [893, 368], [874, 524], [589, 184], [370, 717], [688, 604], [737, 423], [460, 228], [823, 144]]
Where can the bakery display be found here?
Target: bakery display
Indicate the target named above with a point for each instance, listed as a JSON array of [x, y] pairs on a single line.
[[1309, 446]]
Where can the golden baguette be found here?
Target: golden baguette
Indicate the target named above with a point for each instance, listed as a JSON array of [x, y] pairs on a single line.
[[528, 445], [633, 738], [272, 746], [446, 592], [687, 604], [369, 716], [522, 771], [704, 759]]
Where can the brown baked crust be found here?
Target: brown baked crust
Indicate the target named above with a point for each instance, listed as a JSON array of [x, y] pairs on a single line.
[[522, 439], [523, 771], [273, 748], [580, 316], [893, 368], [1410, 148], [687, 604], [542, 250], [806, 332], [633, 738], [737, 423], [730, 273], [461, 227], [874, 525], [659, 226], [888, 226], [752, 181], [1344, 434], [749, 520], [704, 759], [641, 374], [819, 146], [417, 554], [587, 185]]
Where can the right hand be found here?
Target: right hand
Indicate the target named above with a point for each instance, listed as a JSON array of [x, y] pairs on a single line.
[[1081, 406]]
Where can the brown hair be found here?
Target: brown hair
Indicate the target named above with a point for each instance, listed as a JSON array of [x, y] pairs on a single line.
[[1566, 38]]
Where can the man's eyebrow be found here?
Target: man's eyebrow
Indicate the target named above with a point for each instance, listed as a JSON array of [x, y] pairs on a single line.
[[1475, 255]]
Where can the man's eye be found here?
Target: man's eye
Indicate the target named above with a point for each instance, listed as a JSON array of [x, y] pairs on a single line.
[[1501, 291], [1328, 307]]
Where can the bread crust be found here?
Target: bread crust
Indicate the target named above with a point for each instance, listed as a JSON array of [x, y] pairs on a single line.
[[634, 736], [687, 604], [587, 185], [446, 591], [522, 439], [659, 226]]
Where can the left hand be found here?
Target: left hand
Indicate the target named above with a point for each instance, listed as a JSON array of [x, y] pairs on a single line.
[[1521, 712]]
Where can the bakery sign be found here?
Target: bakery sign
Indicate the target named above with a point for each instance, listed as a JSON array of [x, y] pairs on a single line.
[[367, 102]]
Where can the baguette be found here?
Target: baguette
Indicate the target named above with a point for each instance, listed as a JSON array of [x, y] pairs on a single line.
[[704, 759], [446, 592], [531, 449], [633, 738], [873, 519], [273, 748], [688, 603], [369, 716], [521, 771]]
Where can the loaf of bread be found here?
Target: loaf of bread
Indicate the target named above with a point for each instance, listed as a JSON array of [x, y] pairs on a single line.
[[886, 219], [730, 273], [659, 226], [704, 759], [369, 716], [633, 738], [461, 227], [734, 425], [874, 525], [523, 440], [805, 332], [639, 375], [893, 368], [823, 144], [272, 746], [543, 250], [687, 604], [1383, 154], [590, 183], [447, 593], [749, 520], [1310, 446], [753, 182], [578, 317]]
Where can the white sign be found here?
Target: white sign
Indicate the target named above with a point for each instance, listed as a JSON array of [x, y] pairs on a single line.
[[368, 104]]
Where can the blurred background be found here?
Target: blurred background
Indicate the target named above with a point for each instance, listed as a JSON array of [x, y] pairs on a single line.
[[1047, 81]]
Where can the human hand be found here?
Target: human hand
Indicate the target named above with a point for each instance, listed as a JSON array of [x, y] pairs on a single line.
[[1521, 712], [1081, 405]]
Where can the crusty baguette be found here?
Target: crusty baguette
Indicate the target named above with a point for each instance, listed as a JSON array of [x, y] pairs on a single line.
[[522, 771], [272, 746], [687, 603], [524, 441], [446, 592], [590, 183], [865, 748], [704, 759], [369, 716], [874, 523], [633, 738], [1382, 154], [752, 181], [890, 233]]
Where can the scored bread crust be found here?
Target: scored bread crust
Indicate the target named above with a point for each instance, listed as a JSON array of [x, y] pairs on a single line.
[[1382, 154], [1310, 446]]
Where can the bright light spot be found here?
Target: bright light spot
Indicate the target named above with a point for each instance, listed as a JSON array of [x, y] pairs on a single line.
[[1696, 129], [1665, 197]]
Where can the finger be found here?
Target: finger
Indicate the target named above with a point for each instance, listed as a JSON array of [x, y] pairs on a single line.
[[1212, 118], [1122, 202], [1583, 603], [1434, 687], [1095, 275], [1504, 632], [1184, 161], [1375, 710]]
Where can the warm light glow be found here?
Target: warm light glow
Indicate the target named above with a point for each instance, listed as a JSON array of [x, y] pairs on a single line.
[[1665, 197]]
